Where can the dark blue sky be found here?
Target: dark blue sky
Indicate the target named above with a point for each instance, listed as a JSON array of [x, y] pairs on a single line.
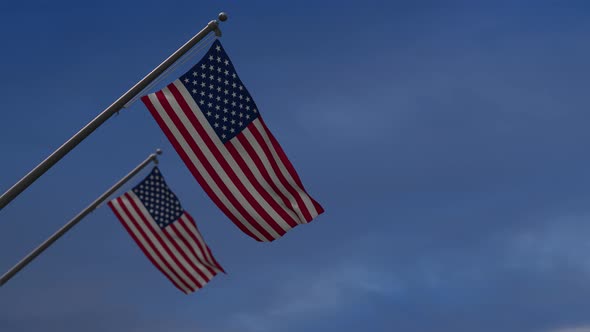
[[447, 143]]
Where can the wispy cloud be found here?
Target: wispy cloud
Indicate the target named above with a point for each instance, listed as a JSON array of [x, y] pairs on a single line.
[[574, 329], [313, 294]]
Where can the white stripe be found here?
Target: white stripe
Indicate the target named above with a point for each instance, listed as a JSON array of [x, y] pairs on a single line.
[[159, 246], [145, 244], [266, 163], [226, 156], [200, 168], [300, 191], [203, 255], [263, 183], [207, 256], [173, 231]]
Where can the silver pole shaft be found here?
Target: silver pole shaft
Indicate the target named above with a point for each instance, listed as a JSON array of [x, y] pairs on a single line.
[[25, 261], [33, 175]]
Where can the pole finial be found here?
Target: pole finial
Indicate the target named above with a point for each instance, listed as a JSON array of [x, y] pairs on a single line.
[[158, 151], [222, 16]]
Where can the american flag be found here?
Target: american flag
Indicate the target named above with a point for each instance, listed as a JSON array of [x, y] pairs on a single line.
[[216, 128], [166, 234]]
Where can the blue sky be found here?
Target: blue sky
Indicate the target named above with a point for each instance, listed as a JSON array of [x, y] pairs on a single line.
[[447, 143]]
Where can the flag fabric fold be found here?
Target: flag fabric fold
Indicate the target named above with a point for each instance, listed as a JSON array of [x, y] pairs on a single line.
[[216, 128], [167, 235]]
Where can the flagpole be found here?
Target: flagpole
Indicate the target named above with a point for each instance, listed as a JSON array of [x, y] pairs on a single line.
[[25, 261], [46, 164]]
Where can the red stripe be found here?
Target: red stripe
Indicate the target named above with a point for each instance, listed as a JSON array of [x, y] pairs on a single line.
[[216, 177], [163, 243], [145, 251], [190, 218], [189, 164], [188, 244], [288, 165], [265, 174], [266, 149]]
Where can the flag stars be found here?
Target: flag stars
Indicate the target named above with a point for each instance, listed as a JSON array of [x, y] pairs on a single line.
[[158, 200], [223, 99]]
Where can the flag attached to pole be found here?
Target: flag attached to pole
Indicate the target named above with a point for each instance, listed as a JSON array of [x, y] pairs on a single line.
[[216, 128], [166, 234]]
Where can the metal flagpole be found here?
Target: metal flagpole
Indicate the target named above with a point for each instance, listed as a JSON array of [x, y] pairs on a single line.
[[25, 261], [33, 175]]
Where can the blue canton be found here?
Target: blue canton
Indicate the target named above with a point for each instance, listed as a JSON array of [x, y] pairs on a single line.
[[220, 94], [160, 202]]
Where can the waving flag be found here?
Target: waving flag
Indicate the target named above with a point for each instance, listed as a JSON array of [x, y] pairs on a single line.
[[166, 233], [216, 128]]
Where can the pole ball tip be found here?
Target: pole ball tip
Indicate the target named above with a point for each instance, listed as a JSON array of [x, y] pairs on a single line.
[[158, 151], [222, 16]]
